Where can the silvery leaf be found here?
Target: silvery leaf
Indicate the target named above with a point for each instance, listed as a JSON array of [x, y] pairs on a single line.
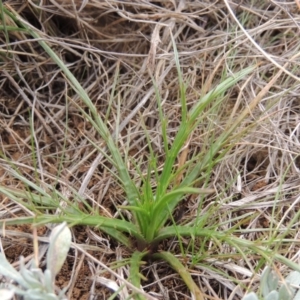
[[7, 270], [48, 281], [60, 242], [294, 279], [30, 279], [268, 282], [273, 296], [6, 294], [285, 291], [297, 296], [250, 296]]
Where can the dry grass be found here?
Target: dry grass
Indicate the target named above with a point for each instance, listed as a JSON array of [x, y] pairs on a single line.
[[126, 42]]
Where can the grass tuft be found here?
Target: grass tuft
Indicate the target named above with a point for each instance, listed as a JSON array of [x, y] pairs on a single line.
[[165, 135]]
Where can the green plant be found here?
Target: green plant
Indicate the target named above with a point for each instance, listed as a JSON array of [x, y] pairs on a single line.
[[151, 208], [271, 289], [33, 283]]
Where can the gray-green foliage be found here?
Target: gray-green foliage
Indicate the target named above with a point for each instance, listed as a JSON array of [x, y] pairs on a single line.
[[33, 283], [271, 289]]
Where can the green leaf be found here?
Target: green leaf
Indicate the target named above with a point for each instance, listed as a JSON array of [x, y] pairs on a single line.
[[184, 132], [173, 196], [138, 209], [119, 236], [171, 231], [182, 271], [100, 126], [83, 219], [135, 275]]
